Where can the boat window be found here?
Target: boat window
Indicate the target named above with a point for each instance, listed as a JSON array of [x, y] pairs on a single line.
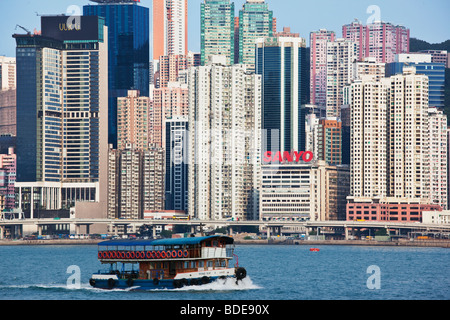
[[201, 264], [215, 243], [192, 264], [186, 264], [209, 263]]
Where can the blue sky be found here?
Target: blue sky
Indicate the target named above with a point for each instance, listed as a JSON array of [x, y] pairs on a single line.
[[427, 19]]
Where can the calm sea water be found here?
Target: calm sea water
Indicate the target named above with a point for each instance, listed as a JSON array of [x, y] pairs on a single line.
[[275, 273]]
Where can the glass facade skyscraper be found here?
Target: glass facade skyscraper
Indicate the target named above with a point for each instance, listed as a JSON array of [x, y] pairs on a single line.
[[129, 51], [62, 136], [217, 29], [176, 195], [59, 79], [255, 21], [284, 66]]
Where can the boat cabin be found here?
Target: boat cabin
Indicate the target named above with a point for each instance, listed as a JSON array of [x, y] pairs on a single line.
[[166, 259]]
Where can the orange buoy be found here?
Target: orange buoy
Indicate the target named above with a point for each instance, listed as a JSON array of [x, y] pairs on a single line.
[[314, 249]]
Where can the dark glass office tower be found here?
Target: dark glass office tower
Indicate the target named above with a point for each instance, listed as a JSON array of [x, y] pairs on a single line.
[[283, 64], [129, 51], [61, 101], [177, 164]]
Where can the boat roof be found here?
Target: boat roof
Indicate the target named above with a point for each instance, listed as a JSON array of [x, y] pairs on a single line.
[[163, 242]]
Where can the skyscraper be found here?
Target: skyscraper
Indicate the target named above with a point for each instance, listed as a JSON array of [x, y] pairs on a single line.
[[438, 157], [136, 182], [318, 65], [170, 28], [132, 120], [224, 141], [7, 73], [423, 64], [170, 67], [341, 54], [255, 21], [128, 51], [168, 102], [8, 178], [284, 67], [61, 110], [330, 141], [390, 141], [368, 159], [408, 162], [217, 30], [380, 40], [177, 152]]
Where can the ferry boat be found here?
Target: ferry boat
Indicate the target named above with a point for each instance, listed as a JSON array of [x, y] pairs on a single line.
[[166, 263]]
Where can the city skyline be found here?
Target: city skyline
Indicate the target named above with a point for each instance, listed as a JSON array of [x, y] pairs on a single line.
[[411, 14]]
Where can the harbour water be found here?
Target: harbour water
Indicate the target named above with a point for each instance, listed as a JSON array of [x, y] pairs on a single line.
[[274, 273]]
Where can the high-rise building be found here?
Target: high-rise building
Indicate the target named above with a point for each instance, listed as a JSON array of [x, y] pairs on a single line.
[[168, 102], [136, 182], [224, 141], [128, 51], [8, 179], [408, 126], [217, 30], [8, 112], [170, 28], [312, 134], [390, 137], [284, 68], [380, 40], [423, 64], [367, 99], [255, 21], [438, 157], [132, 120], [176, 194], [153, 168], [438, 56], [369, 67], [7, 73], [62, 88], [318, 65], [170, 68], [341, 55], [113, 183], [130, 181], [330, 141]]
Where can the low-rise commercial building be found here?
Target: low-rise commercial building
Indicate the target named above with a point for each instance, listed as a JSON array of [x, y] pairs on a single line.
[[315, 192], [388, 209]]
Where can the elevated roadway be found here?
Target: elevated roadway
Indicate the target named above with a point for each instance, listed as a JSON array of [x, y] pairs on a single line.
[[270, 226]]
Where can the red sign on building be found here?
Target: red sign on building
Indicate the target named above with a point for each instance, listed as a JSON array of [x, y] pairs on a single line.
[[288, 157]]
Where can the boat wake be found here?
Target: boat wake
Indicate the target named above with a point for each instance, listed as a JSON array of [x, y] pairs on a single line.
[[228, 284]]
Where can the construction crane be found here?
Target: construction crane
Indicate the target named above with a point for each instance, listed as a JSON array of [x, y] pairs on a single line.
[[26, 30]]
